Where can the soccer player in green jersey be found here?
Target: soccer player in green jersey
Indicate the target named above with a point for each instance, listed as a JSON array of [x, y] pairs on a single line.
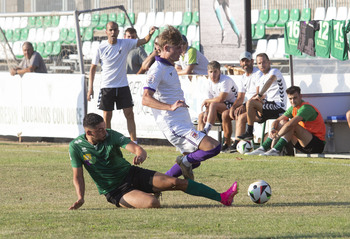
[[123, 184]]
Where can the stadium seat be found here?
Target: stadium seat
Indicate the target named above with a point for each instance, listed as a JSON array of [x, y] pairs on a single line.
[[17, 49], [47, 21], [144, 31], [131, 17], [320, 14], [9, 35], [71, 36], [263, 16], [112, 17], [159, 21], [342, 13], [177, 21], [253, 26], [94, 47], [195, 18], [95, 19], [187, 18], [331, 13], [183, 29], [8, 23], [63, 22], [260, 47], [305, 14], [151, 18], [63, 34], [280, 53], [24, 22], [86, 49], [56, 49], [284, 17], [55, 34], [34, 45], [89, 34], [70, 22], [155, 34], [149, 47], [16, 35], [39, 22], [16, 22], [254, 16], [85, 20], [168, 18], [31, 22], [271, 47], [24, 34], [121, 19], [48, 49], [259, 31], [141, 19], [39, 37], [103, 21], [40, 47], [294, 14], [47, 34], [274, 15], [196, 45], [55, 21], [2, 22], [31, 35], [191, 33]]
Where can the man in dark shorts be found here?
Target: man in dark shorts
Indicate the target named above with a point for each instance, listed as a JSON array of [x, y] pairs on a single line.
[[113, 55], [125, 185], [271, 99], [302, 124]]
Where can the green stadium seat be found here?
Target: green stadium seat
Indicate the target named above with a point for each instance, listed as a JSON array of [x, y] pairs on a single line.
[[16, 35], [274, 15], [284, 17], [56, 49], [34, 45], [294, 14], [95, 20], [40, 48], [259, 31], [149, 47], [263, 16], [187, 18], [112, 17], [71, 38], [47, 21], [132, 18], [31, 22], [89, 34], [48, 49], [9, 35], [183, 29], [55, 21], [305, 14], [253, 29], [121, 19], [155, 34], [63, 34], [195, 18], [24, 34], [39, 22], [103, 21]]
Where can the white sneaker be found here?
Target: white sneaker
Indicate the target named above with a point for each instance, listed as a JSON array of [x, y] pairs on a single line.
[[272, 152], [258, 151]]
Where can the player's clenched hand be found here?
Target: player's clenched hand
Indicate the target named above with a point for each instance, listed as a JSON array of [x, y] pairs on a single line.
[[177, 104], [77, 204], [90, 94]]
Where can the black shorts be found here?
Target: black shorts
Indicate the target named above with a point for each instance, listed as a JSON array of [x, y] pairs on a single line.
[[315, 146], [121, 96], [137, 178], [270, 111]]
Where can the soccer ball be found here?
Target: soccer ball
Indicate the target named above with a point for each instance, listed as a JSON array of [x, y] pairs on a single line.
[[259, 192], [244, 146]]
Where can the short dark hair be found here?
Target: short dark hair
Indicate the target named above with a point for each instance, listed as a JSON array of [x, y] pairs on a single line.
[[214, 65], [130, 30], [29, 44], [91, 120], [291, 90], [263, 55]]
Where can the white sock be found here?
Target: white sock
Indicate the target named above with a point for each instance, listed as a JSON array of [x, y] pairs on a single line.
[[207, 127], [185, 162]]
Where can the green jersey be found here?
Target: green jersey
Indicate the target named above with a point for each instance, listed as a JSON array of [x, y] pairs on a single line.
[[291, 38], [104, 161], [339, 47], [323, 39]]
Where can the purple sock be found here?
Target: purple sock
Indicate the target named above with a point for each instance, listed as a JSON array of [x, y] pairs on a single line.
[[175, 170], [200, 155]]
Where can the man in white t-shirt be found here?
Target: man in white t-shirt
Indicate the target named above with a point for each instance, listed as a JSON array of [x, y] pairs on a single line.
[[163, 93], [191, 60], [248, 89], [114, 83], [222, 93], [271, 100]]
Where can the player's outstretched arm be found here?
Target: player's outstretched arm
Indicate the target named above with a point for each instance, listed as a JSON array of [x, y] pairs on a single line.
[[79, 184]]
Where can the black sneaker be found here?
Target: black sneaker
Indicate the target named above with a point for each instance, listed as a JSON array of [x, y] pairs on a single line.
[[246, 136], [225, 148], [233, 149]]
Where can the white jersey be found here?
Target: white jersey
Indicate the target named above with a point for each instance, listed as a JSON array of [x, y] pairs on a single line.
[[164, 80], [194, 57], [113, 62], [225, 84], [249, 83], [277, 91]]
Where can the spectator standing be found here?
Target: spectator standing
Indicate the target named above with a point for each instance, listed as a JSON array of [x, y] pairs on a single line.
[[136, 56]]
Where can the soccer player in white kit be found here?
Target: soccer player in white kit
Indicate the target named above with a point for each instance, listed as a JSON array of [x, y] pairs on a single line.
[[163, 93]]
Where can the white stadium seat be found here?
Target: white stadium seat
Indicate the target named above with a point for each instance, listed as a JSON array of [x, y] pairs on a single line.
[[159, 21], [271, 47], [16, 23], [169, 18], [177, 18], [280, 53], [144, 31], [260, 47], [2, 22], [151, 18], [55, 36], [191, 34], [87, 20], [331, 13], [31, 35], [94, 47], [17, 48], [121, 33], [254, 16], [86, 48], [141, 19], [342, 13], [24, 22], [320, 13], [39, 37], [47, 34], [8, 23]]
